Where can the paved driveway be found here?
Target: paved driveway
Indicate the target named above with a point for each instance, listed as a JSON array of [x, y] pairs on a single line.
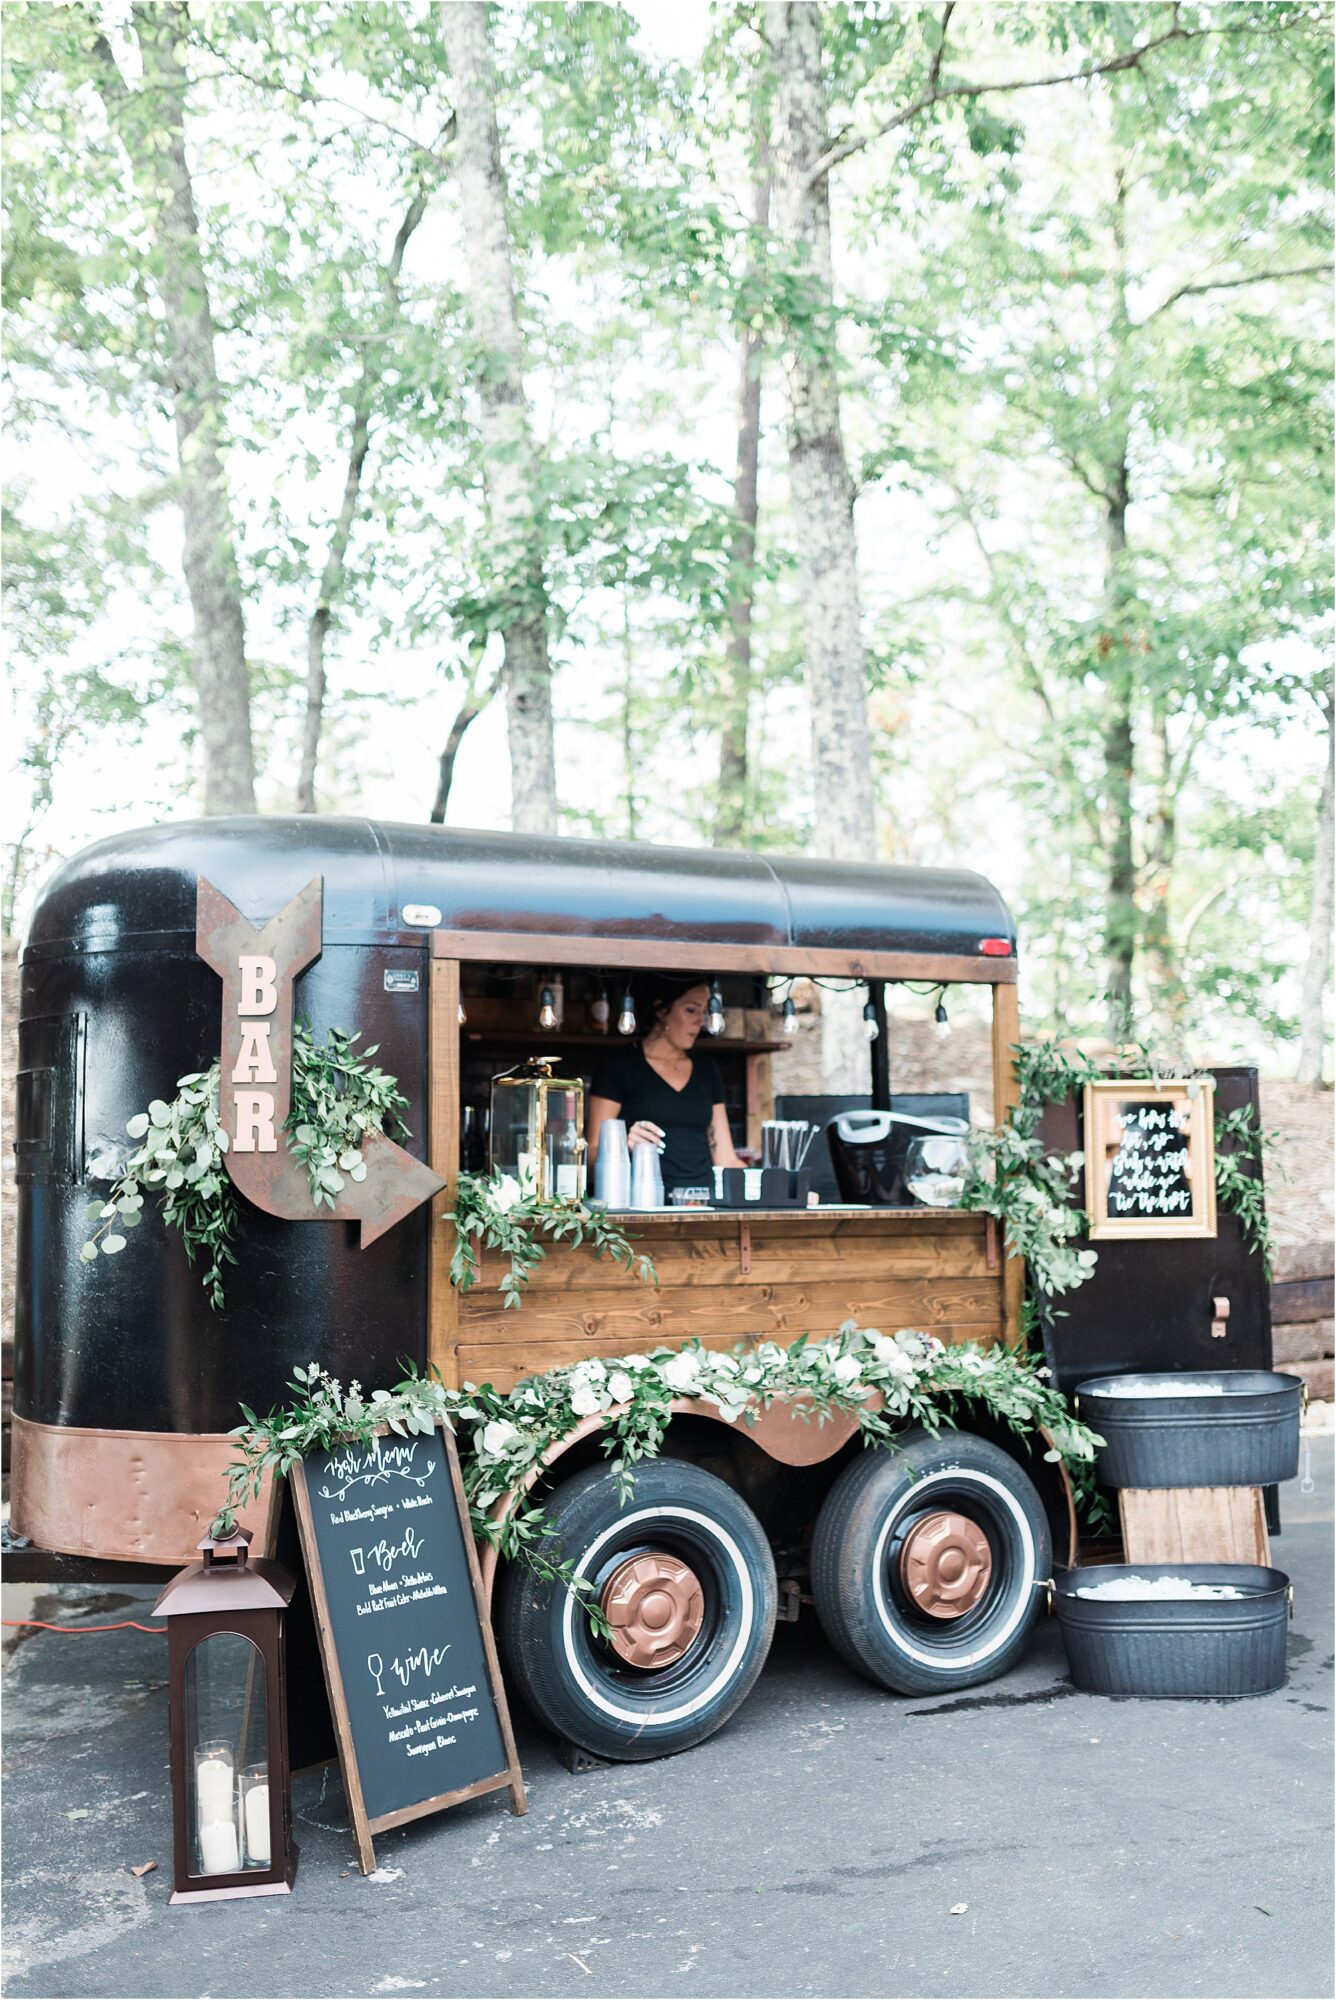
[[817, 1846]]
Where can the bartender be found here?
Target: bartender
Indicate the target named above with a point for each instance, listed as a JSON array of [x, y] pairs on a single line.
[[669, 1096]]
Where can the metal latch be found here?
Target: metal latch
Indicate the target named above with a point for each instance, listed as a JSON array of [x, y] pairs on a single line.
[[1220, 1321]]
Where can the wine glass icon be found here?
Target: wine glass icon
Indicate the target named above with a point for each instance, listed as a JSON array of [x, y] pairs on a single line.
[[375, 1666]]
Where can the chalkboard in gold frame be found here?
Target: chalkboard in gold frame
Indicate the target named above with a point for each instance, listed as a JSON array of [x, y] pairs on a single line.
[[1150, 1157]]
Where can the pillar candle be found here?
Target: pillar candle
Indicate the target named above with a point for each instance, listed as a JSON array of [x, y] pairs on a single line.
[[213, 1788], [257, 1824], [218, 1845]]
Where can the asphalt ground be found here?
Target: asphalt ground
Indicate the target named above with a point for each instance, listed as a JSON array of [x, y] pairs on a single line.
[[821, 1844]]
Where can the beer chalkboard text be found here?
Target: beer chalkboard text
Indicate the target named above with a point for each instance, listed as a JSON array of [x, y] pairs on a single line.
[[1150, 1158]]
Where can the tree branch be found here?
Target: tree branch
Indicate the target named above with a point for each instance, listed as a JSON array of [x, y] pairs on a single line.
[[935, 67], [936, 94], [1232, 285]]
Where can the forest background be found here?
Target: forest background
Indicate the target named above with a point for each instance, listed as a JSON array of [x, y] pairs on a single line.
[[885, 431]]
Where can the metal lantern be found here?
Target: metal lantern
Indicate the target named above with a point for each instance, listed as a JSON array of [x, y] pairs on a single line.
[[227, 1716], [537, 1131]]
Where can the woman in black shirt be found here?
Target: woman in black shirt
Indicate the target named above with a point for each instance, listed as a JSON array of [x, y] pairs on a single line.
[[669, 1097]]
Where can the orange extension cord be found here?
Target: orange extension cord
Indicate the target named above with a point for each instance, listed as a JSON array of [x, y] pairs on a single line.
[[41, 1625]]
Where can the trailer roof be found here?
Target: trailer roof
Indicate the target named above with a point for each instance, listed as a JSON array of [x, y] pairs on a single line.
[[141, 885]]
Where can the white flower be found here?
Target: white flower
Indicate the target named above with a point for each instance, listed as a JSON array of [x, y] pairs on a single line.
[[846, 1369], [635, 1362], [682, 1372], [504, 1193], [586, 1400], [771, 1354], [498, 1436], [894, 1358], [589, 1371], [620, 1386]]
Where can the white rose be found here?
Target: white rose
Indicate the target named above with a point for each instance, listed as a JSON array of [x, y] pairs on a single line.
[[589, 1371], [884, 1348], [585, 1400], [504, 1194], [846, 1370], [498, 1435], [635, 1362], [681, 1373], [620, 1386]]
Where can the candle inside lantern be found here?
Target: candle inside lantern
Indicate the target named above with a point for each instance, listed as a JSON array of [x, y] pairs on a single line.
[[255, 1790], [214, 1783], [218, 1846]]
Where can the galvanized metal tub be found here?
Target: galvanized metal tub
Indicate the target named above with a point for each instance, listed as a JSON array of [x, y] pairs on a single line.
[[1247, 1435], [1177, 1649]]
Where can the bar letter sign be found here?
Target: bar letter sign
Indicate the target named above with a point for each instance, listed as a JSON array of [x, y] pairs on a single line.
[[414, 1687], [1150, 1157], [258, 966]]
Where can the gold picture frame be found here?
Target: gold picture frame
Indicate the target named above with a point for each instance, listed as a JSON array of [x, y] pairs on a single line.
[[1150, 1157]]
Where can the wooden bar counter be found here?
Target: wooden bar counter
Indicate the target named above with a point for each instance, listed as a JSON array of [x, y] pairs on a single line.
[[727, 1276]]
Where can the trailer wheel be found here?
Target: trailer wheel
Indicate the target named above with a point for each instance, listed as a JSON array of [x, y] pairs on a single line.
[[926, 1562], [687, 1580]]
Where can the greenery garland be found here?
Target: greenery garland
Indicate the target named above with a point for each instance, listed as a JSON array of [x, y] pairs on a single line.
[[338, 1097], [492, 1211], [504, 1434], [1031, 1191]]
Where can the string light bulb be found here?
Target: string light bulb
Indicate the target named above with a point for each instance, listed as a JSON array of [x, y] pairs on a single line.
[[788, 1019], [941, 1025], [547, 1008], [463, 1017], [626, 1019], [600, 1013], [871, 1026], [714, 1012]]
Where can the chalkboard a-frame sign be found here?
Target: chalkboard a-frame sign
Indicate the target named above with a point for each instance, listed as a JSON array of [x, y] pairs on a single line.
[[1150, 1157], [410, 1664]]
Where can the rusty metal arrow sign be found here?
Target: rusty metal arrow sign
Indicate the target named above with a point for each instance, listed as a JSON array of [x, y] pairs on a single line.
[[258, 968]]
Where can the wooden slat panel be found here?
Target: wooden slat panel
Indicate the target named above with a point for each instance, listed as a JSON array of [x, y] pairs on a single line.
[[776, 1259], [1006, 1093], [443, 1155], [588, 949], [650, 1313], [1194, 1524]]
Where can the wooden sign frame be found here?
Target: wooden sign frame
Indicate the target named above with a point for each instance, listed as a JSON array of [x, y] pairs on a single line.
[[510, 1777], [1193, 1098]]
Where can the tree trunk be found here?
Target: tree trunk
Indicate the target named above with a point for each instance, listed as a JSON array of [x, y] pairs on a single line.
[[731, 807], [1164, 975], [1121, 919], [152, 126], [1316, 971], [331, 580], [821, 490], [474, 701], [510, 464]]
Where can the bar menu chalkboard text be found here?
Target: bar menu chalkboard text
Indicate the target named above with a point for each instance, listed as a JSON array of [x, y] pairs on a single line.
[[1150, 1157], [411, 1669]]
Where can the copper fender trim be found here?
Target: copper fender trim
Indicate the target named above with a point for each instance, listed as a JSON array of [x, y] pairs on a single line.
[[127, 1496]]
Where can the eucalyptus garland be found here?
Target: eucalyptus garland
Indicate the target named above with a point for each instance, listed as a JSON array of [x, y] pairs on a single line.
[[492, 1210], [910, 1377], [338, 1097]]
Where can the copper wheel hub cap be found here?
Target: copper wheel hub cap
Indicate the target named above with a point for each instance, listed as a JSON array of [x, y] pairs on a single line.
[[945, 1564], [655, 1607]]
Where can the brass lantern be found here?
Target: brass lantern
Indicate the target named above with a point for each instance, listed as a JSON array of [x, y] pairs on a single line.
[[227, 1718], [537, 1131]]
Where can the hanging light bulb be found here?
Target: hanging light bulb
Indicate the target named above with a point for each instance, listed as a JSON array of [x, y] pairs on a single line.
[[547, 1008], [714, 1012], [600, 1013], [941, 1026], [626, 1019], [463, 1017], [788, 1019], [870, 1025]]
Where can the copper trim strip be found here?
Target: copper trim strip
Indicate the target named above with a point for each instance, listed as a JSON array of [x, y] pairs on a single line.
[[128, 1496]]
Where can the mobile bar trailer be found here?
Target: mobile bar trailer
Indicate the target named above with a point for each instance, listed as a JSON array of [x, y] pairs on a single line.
[[433, 944]]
